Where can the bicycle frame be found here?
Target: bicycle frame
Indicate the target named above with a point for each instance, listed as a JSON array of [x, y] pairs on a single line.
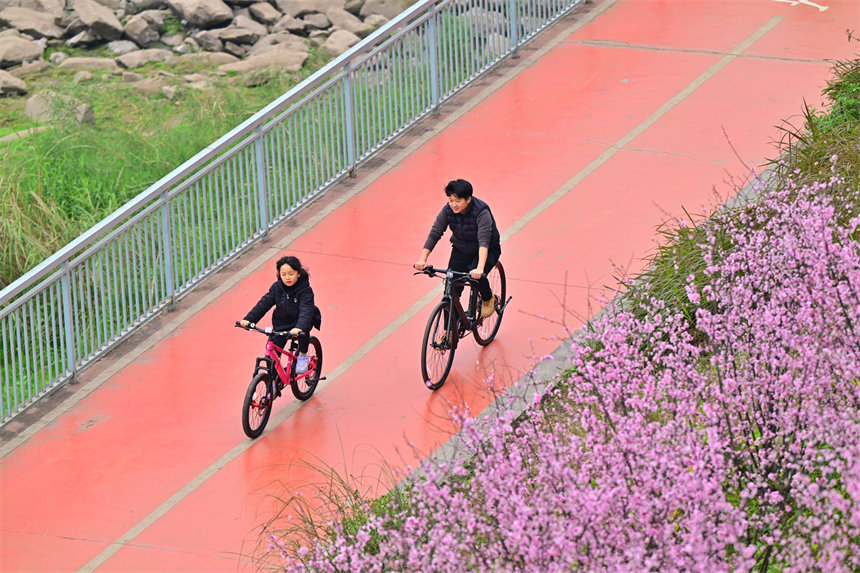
[[271, 362], [452, 279]]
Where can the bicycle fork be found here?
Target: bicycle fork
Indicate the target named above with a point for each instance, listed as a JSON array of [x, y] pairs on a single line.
[[264, 364], [455, 323], [267, 365]]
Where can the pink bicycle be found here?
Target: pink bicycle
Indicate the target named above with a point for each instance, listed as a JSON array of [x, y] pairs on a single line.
[[272, 373]]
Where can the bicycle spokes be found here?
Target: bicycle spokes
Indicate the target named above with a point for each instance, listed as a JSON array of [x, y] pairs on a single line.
[[303, 384], [437, 352], [257, 405], [485, 329]]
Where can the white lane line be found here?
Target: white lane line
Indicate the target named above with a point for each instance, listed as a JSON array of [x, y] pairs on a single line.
[[805, 3]]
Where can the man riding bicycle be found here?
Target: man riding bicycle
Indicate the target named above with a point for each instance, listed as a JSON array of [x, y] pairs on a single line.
[[475, 239]]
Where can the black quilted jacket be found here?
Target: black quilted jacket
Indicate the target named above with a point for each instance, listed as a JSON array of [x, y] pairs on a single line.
[[294, 306]]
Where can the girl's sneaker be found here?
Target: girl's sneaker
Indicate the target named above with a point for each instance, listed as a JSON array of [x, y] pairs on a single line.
[[302, 363]]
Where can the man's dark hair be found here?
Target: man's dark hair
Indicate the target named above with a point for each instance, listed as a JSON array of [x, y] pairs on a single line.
[[459, 187]]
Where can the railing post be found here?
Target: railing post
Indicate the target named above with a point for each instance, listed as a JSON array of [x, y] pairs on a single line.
[[7, 388], [349, 112], [514, 27], [167, 251], [262, 199], [434, 58], [68, 323]]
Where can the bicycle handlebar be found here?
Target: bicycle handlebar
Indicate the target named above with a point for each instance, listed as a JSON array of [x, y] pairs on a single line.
[[268, 330], [433, 272]]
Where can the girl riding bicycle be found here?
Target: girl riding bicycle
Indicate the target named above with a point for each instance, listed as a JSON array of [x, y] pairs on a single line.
[[293, 298]]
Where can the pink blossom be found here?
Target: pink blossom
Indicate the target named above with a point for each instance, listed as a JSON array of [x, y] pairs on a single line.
[[661, 451]]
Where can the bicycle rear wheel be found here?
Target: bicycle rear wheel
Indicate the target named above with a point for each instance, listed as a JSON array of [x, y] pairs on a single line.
[[485, 329], [257, 406], [303, 387], [437, 353]]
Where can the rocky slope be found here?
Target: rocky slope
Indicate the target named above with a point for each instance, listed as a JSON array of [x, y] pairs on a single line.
[[234, 35]]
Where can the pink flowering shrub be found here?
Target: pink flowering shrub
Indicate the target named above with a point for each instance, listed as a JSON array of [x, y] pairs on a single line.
[[784, 348], [732, 448]]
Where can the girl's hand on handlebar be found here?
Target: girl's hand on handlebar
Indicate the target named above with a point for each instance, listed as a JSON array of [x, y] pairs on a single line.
[[244, 323], [296, 331]]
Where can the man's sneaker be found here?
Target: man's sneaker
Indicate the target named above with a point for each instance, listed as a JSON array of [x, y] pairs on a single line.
[[488, 307], [302, 363], [444, 340]]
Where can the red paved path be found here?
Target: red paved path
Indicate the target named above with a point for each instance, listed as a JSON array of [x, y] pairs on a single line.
[[581, 147]]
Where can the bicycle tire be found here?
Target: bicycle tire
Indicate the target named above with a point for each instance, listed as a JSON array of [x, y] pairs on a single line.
[[304, 388], [436, 360], [485, 329], [257, 405]]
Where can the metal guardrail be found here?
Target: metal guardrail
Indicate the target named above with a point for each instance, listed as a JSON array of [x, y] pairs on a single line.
[[93, 293]]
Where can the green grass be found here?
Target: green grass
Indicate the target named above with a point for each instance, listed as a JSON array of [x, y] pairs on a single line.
[[57, 183], [172, 25]]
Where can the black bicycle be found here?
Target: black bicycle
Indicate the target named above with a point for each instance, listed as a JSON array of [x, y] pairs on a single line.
[[445, 328]]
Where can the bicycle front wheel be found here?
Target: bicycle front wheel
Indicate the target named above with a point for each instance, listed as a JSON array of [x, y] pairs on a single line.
[[257, 406], [485, 329], [437, 352], [303, 385]]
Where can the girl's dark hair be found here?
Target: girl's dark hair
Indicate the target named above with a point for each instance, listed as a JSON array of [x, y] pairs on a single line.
[[294, 263]]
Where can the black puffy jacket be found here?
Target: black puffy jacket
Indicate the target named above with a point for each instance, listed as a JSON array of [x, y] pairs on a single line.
[[465, 229], [294, 306]]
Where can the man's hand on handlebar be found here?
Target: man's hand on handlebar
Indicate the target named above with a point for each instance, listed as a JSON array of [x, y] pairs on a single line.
[[420, 265]]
